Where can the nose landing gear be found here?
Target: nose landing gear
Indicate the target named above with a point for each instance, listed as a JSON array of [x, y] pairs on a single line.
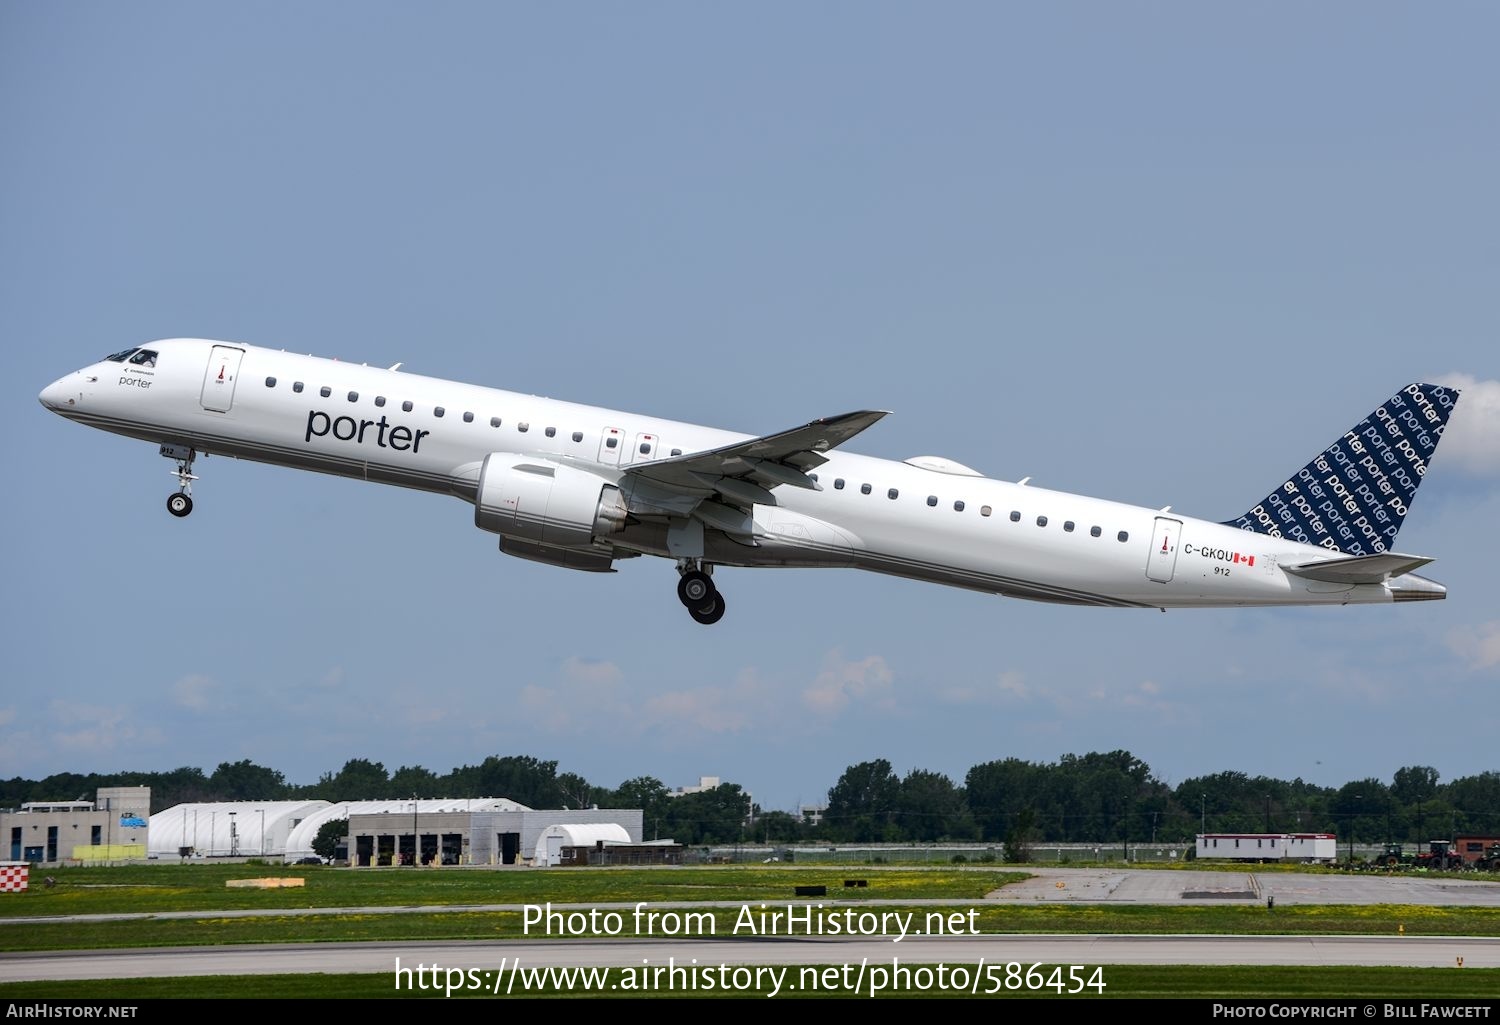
[[696, 591], [180, 503]]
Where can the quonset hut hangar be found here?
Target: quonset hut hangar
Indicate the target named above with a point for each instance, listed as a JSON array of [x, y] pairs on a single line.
[[445, 831]]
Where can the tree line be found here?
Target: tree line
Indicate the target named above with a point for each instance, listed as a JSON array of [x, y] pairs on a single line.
[[1108, 797]]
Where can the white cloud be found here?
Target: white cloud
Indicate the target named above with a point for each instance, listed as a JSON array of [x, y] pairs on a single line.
[[584, 692], [590, 696], [196, 692], [591, 671], [1013, 683], [1471, 440], [1010, 685], [1147, 693], [96, 728], [1479, 645], [1352, 682], [712, 709], [842, 682]]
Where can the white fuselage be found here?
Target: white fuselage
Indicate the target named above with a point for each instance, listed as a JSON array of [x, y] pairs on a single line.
[[877, 514]]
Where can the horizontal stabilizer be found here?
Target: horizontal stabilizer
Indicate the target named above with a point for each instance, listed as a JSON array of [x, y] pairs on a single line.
[[1359, 569]]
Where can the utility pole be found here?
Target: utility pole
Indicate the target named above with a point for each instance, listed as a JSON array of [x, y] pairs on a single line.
[[1352, 817]]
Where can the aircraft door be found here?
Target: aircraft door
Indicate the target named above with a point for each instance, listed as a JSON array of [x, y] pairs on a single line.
[[218, 380], [1163, 558], [610, 445], [645, 448]]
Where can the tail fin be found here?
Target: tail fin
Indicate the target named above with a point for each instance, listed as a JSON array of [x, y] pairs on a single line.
[[1353, 497]]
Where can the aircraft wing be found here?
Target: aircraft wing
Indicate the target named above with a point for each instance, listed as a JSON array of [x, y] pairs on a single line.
[[1359, 569], [720, 486], [746, 471]]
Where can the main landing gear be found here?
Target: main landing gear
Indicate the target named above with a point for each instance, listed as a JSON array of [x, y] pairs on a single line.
[[696, 591], [180, 503]]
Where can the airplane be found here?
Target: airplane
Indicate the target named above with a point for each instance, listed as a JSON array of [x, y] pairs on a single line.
[[582, 487]]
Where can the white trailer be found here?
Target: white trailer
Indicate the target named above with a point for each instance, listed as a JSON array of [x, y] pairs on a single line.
[[1309, 848]]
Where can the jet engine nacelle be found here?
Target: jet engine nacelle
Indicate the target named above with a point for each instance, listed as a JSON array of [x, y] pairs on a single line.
[[545, 502]]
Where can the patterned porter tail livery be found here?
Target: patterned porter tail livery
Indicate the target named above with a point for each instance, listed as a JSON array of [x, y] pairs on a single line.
[[1353, 497]]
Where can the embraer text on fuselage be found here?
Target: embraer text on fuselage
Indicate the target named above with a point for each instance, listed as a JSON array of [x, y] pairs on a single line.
[[346, 428]]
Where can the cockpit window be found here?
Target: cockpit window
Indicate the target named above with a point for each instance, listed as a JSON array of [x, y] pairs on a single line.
[[144, 358], [120, 356]]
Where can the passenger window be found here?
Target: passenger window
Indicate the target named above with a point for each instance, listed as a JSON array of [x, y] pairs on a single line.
[[1068, 526], [864, 489], [577, 435], [437, 411], [523, 426], [1015, 516], [297, 386], [325, 391], [985, 510], [494, 421], [932, 500], [468, 417], [1095, 531], [380, 401], [354, 396], [551, 432], [1041, 521], [270, 382], [406, 407], [838, 484], [958, 507], [892, 493], [611, 442], [677, 451], [1123, 536]]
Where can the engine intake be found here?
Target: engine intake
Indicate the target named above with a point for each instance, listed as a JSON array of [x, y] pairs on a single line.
[[545, 502]]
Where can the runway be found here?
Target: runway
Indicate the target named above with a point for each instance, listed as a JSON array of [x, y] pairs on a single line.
[[488, 957]]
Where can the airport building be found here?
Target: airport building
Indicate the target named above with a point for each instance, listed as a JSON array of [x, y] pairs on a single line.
[[229, 829], [503, 833], [112, 827], [447, 831], [118, 826]]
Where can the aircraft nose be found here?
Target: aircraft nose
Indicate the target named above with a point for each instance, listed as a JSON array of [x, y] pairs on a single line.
[[59, 395]]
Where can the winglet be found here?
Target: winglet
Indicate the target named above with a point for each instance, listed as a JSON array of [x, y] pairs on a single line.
[[1353, 497]]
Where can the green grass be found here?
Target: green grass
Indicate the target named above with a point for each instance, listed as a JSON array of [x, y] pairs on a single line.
[[1360, 920], [155, 888], [1120, 981], [200, 888]]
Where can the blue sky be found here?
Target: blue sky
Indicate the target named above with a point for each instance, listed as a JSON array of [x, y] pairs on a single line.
[[1161, 253]]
